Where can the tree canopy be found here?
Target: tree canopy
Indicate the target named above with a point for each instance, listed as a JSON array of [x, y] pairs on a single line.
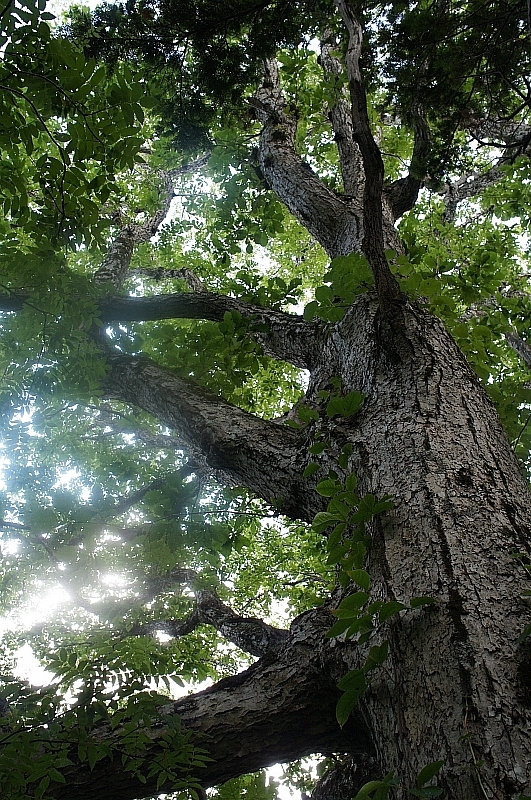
[[206, 207]]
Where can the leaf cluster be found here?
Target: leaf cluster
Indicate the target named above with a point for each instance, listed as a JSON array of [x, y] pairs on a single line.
[[66, 128], [205, 56]]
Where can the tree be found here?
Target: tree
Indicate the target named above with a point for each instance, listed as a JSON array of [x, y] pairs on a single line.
[[411, 655]]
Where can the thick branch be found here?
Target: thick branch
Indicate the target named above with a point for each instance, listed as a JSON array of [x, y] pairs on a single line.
[[280, 709], [386, 285], [336, 224], [282, 336], [239, 448], [403, 193], [285, 336], [513, 134]]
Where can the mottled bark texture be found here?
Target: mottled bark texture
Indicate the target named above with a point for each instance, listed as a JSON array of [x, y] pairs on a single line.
[[284, 336], [252, 635], [456, 686], [280, 709]]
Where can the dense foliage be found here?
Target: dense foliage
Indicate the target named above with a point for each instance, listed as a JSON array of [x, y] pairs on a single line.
[[102, 510]]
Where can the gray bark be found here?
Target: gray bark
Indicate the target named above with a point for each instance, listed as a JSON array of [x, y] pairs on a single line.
[[285, 336], [340, 115], [218, 435], [277, 710], [455, 685], [429, 436], [115, 266], [250, 634], [337, 224]]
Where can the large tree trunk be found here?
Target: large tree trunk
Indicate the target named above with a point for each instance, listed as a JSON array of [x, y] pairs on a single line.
[[456, 685]]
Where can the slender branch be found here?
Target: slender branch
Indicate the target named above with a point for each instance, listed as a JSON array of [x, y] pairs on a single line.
[[250, 634], [387, 287], [513, 137], [159, 274], [341, 118], [107, 417], [519, 346], [116, 263]]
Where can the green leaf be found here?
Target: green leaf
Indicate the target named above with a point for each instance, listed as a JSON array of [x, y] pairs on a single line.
[[56, 776], [378, 790], [351, 482], [428, 772], [310, 469], [345, 406], [377, 655], [323, 520], [350, 606], [328, 487], [345, 705], [310, 310], [361, 577], [306, 414], [354, 680], [389, 609], [317, 448], [338, 628], [416, 602]]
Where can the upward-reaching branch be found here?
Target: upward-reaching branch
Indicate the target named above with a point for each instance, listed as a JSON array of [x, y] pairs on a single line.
[[387, 287], [337, 224], [350, 159], [402, 194], [116, 263], [513, 138]]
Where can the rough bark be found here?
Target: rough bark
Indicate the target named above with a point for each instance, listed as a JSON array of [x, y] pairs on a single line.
[[217, 434], [402, 194], [277, 710], [337, 224], [340, 115], [115, 266], [252, 635], [456, 685], [429, 436], [284, 336], [374, 244]]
